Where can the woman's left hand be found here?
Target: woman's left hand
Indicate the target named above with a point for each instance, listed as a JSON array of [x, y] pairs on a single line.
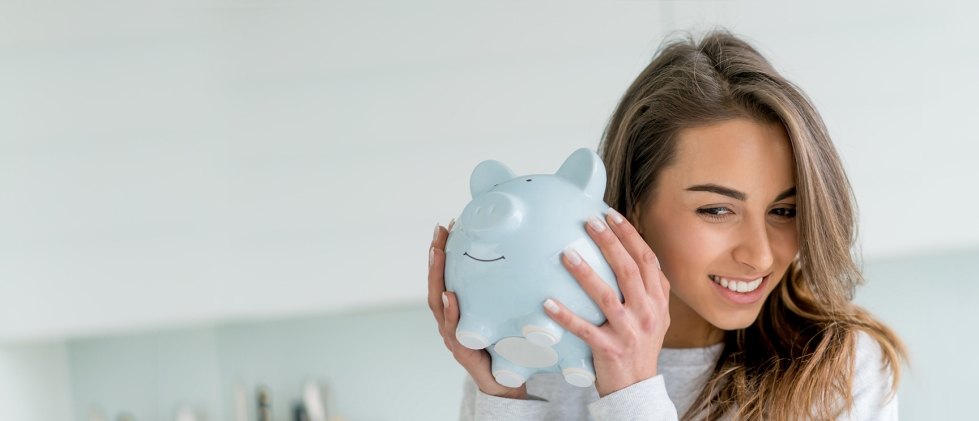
[[625, 348]]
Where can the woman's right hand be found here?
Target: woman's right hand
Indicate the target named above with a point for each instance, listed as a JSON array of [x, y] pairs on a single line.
[[445, 307]]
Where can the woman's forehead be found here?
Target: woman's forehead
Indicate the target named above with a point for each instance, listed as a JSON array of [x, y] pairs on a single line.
[[739, 153]]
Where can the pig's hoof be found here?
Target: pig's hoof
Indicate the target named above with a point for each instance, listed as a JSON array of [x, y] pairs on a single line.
[[508, 378], [472, 340], [578, 377], [540, 336], [524, 353]]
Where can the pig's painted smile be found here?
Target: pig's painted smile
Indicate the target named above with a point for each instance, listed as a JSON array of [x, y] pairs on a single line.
[[481, 260]]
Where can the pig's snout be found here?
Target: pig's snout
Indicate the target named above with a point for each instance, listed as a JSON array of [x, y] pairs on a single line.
[[494, 214]]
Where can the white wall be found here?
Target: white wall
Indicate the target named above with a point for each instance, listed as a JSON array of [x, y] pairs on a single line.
[[197, 163], [35, 382]]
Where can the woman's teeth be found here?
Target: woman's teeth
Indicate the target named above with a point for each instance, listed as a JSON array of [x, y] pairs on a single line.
[[736, 286]]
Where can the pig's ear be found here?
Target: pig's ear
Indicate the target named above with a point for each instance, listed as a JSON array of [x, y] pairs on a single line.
[[488, 174], [585, 169]]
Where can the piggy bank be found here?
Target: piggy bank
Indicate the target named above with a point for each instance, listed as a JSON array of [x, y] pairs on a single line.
[[503, 259]]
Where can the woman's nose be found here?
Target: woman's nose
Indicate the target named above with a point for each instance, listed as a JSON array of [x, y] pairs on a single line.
[[754, 249]]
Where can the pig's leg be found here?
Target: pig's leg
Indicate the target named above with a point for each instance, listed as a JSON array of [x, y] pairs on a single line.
[[541, 330], [474, 333], [506, 373], [577, 369]]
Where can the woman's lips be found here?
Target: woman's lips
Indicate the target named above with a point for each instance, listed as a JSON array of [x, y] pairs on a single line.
[[746, 297]]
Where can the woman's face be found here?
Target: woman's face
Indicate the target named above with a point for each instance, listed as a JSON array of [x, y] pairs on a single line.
[[723, 214]]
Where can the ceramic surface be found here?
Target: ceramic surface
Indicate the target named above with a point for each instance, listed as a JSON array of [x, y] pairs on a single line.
[[503, 259]]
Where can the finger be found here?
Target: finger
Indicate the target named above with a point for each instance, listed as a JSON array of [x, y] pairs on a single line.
[[476, 362], [627, 271], [603, 295], [636, 247], [451, 320], [436, 273], [579, 327]]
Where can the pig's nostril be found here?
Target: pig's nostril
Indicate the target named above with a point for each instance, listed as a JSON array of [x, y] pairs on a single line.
[[491, 208]]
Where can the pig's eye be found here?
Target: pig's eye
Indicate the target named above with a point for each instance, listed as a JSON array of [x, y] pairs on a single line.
[[528, 180], [495, 185]]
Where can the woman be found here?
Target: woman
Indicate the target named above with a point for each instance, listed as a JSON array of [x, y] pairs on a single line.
[[730, 234]]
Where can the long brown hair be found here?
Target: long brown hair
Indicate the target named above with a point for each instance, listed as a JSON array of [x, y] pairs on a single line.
[[796, 360]]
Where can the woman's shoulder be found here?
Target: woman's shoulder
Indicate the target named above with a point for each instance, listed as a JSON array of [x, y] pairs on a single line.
[[869, 362], [872, 381]]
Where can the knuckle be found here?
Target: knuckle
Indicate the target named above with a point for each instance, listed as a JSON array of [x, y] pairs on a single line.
[[630, 271], [630, 338], [648, 323], [609, 350], [648, 257], [457, 354], [609, 300], [586, 335]]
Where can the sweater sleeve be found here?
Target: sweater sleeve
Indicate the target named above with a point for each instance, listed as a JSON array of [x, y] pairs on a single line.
[[646, 401], [872, 380], [478, 406]]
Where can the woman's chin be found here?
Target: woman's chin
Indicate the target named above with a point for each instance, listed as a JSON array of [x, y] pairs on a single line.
[[734, 320]]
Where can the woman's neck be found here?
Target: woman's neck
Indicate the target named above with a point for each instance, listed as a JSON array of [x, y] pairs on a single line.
[[688, 329]]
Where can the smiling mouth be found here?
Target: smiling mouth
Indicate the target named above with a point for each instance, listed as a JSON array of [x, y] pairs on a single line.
[[481, 260], [737, 286]]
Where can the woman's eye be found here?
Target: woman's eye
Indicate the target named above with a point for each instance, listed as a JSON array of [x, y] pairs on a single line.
[[784, 213], [714, 213]]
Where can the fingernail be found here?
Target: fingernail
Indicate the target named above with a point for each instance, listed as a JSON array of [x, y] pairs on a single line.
[[657, 262], [572, 255], [595, 223], [615, 215], [445, 300], [431, 256], [436, 235], [451, 223], [551, 306]]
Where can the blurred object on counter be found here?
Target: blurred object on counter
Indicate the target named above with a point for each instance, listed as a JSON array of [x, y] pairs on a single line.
[[125, 416], [264, 399], [299, 412], [240, 410], [316, 409], [185, 413]]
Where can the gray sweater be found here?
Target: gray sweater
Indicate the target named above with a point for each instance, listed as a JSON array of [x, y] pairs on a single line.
[[682, 373]]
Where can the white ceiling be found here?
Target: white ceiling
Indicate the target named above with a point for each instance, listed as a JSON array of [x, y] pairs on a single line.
[[197, 163]]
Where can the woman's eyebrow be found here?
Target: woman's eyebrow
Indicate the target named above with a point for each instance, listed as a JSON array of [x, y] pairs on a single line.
[[714, 188], [734, 194], [786, 194]]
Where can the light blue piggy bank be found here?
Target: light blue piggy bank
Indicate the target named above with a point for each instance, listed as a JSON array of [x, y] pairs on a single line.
[[503, 259]]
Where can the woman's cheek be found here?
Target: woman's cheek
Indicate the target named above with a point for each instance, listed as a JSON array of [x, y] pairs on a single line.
[[785, 246], [696, 248]]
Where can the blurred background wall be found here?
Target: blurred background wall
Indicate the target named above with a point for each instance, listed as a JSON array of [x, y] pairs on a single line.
[[197, 194]]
